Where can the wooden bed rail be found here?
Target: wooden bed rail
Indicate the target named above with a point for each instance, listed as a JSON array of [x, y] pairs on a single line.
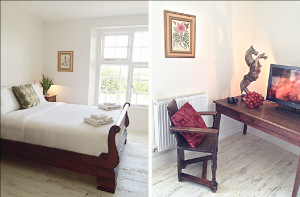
[[104, 168]]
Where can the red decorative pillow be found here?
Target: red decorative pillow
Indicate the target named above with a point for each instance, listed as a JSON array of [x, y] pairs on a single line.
[[187, 116]]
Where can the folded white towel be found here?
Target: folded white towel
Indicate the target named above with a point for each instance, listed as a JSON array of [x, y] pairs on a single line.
[[107, 122], [109, 119], [108, 108], [93, 122], [109, 104], [99, 117]]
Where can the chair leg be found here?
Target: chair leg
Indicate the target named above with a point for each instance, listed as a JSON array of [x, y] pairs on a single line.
[[180, 160], [213, 183]]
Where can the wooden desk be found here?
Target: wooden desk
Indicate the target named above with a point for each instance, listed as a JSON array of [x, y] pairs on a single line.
[[265, 118]]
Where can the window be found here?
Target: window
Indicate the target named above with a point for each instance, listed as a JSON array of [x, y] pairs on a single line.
[[124, 73]]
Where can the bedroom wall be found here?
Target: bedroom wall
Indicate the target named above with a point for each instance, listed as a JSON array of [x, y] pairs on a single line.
[[78, 36], [276, 30], [21, 46], [224, 31], [222, 37]]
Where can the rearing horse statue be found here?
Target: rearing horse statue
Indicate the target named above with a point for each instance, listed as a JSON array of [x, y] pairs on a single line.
[[254, 67]]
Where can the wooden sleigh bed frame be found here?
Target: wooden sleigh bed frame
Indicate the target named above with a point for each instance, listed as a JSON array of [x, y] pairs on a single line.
[[104, 168]]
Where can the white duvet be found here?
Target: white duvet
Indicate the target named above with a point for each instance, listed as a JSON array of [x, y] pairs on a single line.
[[59, 125]]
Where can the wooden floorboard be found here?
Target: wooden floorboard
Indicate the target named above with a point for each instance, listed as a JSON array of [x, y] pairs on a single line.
[[22, 178], [248, 166]]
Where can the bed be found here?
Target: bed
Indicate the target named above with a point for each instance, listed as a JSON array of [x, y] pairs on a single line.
[[55, 134]]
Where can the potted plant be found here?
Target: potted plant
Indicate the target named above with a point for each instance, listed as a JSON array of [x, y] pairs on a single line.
[[46, 83]]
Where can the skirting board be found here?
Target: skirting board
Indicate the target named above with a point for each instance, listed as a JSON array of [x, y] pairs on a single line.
[[160, 158]]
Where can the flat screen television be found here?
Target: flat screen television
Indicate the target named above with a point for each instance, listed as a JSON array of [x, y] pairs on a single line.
[[284, 88]]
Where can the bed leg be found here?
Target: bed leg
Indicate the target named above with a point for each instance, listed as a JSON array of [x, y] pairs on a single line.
[[106, 184]]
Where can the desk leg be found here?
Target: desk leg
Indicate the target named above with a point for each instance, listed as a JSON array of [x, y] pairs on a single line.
[[297, 180], [218, 119], [245, 129]]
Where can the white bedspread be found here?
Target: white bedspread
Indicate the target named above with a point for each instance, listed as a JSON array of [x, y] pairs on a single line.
[[59, 125]]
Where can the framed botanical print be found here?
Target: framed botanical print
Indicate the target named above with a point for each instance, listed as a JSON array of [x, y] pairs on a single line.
[[65, 61], [180, 32]]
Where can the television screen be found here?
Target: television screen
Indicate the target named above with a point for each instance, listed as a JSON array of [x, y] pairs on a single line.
[[285, 84]]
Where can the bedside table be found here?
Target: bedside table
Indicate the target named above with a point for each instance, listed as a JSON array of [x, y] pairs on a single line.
[[50, 97]]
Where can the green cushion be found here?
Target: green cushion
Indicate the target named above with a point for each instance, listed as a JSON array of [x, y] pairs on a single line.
[[26, 96]]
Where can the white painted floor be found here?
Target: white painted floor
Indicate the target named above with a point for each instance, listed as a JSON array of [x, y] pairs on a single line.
[[22, 178], [248, 166]]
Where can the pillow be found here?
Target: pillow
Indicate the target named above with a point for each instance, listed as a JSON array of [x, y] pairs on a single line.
[[9, 101], [39, 92], [26, 96], [187, 116]]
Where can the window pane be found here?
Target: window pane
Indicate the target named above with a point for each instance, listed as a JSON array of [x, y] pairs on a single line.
[[136, 73], [110, 41], [134, 86], [145, 39], [123, 85], [143, 99], [144, 56], [113, 71], [103, 71], [144, 73], [143, 87], [113, 85], [122, 41], [138, 36], [133, 99], [121, 53], [109, 53], [136, 55], [103, 84], [102, 97], [112, 97], [124, 72], [122, 98]]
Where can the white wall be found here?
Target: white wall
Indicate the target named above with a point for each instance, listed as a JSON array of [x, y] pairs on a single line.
[[21, 46], [276, 31], [80, 36], [75, 35], [224, 31]]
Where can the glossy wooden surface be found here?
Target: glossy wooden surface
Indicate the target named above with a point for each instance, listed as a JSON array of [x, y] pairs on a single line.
[[21, 178], [50, 97], [266, 118], [104, 168]]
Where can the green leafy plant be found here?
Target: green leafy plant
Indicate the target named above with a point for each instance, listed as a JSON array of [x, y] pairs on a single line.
[[46, 83]]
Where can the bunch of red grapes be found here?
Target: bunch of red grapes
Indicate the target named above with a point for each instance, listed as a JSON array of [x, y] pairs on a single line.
[[253, 99]]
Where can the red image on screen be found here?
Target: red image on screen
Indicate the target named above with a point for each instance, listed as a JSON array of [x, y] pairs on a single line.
[[285, 85]]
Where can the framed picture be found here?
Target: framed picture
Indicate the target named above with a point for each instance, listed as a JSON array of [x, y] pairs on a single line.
[[65, 61], [180, 32]]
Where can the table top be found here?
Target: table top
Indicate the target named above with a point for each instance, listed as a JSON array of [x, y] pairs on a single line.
[[265, 112]]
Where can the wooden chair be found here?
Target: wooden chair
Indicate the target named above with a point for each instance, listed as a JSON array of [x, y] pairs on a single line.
[[208, 145]]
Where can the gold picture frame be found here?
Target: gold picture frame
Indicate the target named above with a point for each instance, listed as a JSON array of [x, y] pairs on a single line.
[[180, 31], [65, 61]]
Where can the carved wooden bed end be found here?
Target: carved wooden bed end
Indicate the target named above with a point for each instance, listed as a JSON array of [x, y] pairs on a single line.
[[104, 168]]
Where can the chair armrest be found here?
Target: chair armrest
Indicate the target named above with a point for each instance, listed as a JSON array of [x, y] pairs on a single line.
[[208, 113], [192, 130]]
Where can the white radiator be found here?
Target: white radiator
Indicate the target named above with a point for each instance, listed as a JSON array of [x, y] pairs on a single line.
[[163, 139]]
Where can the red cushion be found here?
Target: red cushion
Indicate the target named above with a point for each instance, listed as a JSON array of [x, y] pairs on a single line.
[[187, 116]]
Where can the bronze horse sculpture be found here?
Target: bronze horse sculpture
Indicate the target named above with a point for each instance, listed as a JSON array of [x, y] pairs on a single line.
[[254, 67]]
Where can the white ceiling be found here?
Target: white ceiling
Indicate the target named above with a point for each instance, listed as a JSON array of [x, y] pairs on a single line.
[[71, 10]]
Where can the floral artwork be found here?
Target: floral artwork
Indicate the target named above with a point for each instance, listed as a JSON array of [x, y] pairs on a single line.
[[180, 32], [180, 35], [65, 61]]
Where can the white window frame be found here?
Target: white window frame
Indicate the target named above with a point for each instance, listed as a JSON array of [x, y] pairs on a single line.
[[120, 61]]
